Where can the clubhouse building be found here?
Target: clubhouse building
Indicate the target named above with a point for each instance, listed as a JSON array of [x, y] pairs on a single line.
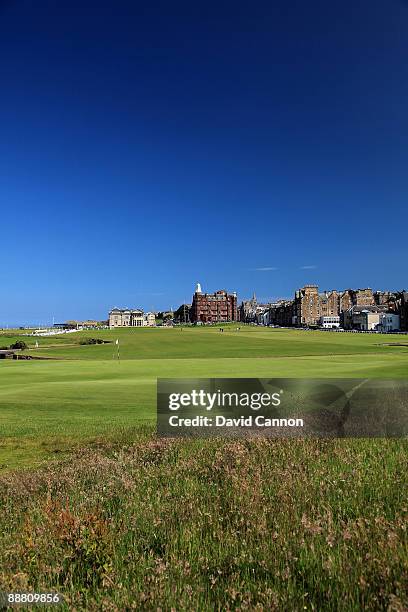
[[127, 317]]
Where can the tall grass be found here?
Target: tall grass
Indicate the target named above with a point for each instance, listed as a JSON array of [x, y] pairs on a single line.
[[212, 525]]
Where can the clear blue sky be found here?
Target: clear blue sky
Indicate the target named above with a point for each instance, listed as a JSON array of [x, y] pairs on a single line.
[[149, 145]]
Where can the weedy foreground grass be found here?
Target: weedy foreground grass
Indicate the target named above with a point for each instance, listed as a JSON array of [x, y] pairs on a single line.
[[212, 525]]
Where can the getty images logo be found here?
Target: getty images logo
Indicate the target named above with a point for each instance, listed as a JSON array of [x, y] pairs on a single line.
[[221, 399]]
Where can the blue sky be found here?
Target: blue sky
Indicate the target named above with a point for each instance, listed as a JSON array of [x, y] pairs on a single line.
[[248, 146]]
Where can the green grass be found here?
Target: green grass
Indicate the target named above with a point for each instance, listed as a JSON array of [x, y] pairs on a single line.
[[212, 525], [84, 395], [199, 342], [122, 520]]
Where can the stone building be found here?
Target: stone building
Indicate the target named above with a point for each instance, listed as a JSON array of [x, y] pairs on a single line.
[[281, 313], [307, 306], [383, 297], [218, 307], [149, 319], [402, 309], [346, 300], [329, 304], [356, 297], [364, 297], [388, 298], [182, 314], [247, 310], [126, 317], [251, 311], [370, 318]]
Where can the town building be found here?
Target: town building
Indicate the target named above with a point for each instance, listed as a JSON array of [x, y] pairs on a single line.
[[218, 307], [402, 309], [346, 300], [92, 323], [356, 297], [307, 306], [382, 298], [389, 322], [167, 315], [330, 321], [397, 302], [182, 314], [251, 311], [329, 304], [68, 325], [282, 313], [363, 318], [363, 297], [126, 317], [247, 310], [149, 319], [261, 314]]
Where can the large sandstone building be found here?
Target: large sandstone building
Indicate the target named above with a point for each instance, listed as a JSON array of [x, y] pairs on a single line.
[[307, 306], [218, 307], [128, 317], [332, 308], [329, 304], [356, 297]]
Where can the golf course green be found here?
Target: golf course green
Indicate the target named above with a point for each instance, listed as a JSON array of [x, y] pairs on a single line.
[[75, 393], [116, 518]]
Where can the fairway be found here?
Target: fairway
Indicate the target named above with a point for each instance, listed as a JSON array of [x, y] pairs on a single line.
[[83, 393]]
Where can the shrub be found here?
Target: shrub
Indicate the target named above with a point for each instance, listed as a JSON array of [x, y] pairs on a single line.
[[19, 344]]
